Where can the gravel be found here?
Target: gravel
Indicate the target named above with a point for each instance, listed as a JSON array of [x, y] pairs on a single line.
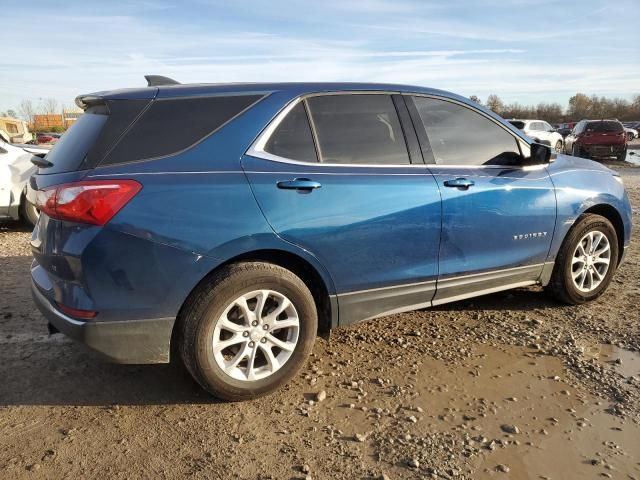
[[460, 391]]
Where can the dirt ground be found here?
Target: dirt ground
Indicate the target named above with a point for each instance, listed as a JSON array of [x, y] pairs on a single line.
[[511, 385]]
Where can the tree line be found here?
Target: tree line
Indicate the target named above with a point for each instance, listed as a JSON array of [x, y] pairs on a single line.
[[27, 109], [580, 106]]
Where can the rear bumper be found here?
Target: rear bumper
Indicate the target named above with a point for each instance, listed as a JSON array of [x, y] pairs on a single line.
[[603, 150], [126, 341]]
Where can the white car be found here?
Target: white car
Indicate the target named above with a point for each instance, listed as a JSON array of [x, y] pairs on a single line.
[[15, 170], [541, 132], [631, 133]]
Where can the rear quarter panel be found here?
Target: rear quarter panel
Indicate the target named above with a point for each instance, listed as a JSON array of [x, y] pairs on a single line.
[[581, 184]]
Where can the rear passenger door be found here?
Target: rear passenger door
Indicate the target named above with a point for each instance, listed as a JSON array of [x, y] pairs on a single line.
[[333, 175], [498, 215]]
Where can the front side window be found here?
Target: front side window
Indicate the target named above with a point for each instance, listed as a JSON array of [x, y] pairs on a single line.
[[293, 138], [460, 136], [358, 129]]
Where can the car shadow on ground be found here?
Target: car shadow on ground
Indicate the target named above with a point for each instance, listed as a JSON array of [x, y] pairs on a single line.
[[15, 226], [42, 369]]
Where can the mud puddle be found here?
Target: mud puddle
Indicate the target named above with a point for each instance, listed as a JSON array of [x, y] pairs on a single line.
[[623, 361], [503, 413]]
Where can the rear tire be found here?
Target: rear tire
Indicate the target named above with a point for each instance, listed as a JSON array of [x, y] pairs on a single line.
[[230, 337], [630, 136], [576, 151], [578, 278], [621, 157]]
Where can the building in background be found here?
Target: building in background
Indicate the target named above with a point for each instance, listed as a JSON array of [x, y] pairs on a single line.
[[55, 121], [13, 130]]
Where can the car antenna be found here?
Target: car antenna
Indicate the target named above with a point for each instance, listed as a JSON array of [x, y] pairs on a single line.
[[159, 80]]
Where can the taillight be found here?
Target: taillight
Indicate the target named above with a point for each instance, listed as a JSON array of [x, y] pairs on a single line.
[[91, 201], [76, 312]]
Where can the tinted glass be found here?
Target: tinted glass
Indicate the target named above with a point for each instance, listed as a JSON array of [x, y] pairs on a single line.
[[293, 138], [169, 126], [69, 152], [460, 136], [356, 129], [122, 113], [605, 126], [517, 123]]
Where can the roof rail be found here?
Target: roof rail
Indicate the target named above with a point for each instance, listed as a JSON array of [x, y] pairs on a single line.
[[159, 80]]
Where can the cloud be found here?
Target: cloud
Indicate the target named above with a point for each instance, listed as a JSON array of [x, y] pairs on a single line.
[[444, 45]]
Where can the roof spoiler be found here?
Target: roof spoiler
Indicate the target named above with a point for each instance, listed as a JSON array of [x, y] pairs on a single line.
[[159, 81], [86, 101]]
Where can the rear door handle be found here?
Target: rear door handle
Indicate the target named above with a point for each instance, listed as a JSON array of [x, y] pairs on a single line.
[[461, 183], [303, 184]]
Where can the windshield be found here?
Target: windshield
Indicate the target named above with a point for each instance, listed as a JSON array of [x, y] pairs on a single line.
[[605, 126]]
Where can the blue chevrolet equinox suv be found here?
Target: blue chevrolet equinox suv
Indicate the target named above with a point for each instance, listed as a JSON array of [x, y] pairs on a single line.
[[229, 224]]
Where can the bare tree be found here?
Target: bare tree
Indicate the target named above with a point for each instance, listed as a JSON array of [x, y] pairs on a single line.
[[475, 98], [49, 106], [495, 104], [26, 110], [12, 113]]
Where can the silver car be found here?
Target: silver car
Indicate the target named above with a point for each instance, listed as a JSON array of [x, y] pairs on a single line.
[[15, 170]]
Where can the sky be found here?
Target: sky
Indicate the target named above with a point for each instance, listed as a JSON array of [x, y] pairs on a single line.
[[524, 51]]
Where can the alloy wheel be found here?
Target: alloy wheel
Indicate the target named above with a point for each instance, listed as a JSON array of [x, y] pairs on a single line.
[[590, 262], [256, 335]]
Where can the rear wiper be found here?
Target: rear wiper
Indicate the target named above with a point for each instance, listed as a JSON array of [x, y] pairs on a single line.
[[41, 162]]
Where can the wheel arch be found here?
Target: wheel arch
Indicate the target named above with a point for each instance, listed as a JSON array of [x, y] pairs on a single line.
[[309, 273], [610, 213]]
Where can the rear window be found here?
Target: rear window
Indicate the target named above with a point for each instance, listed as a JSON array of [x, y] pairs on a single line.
[[71, 149], [169, 126], [358, 129], [516, 123], [605, 126]]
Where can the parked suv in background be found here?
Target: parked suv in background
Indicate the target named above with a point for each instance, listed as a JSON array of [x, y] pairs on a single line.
[[540, 131], [274, 211], [597, 139]]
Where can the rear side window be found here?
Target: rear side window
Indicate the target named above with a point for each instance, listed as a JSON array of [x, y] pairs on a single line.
[[517, 123], [605, 126], [461, 136], [358, 129], [169, 126], [70, 151], [293, 138]]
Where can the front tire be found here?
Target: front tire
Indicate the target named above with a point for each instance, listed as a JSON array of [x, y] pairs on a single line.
[[630, 136], [586, 262], [559, 146], [247, 330]]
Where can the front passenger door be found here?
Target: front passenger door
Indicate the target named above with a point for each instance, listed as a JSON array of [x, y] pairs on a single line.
[[497, 216]]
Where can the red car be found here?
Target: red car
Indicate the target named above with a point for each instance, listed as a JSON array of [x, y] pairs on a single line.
[[597, 139], [47, 137]]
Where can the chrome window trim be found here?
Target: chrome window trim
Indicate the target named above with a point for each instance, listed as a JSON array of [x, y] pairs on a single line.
[[257, 147]]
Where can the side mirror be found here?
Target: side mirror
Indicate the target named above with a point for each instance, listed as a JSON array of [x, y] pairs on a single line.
[[540, 154]]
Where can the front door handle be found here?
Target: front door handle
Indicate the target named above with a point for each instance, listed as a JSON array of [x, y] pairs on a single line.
[[461, 183], [303, 184]]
